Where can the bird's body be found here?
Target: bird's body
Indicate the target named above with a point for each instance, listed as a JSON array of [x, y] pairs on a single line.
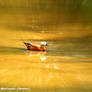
[[32, 47]]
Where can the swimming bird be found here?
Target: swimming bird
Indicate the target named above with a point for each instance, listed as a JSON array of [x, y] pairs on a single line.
[[33, 47]]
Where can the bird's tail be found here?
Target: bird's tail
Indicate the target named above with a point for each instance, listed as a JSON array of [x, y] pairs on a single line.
[[27, 43]]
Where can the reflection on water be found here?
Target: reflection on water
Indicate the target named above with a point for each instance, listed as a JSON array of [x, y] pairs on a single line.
[[40, 54]]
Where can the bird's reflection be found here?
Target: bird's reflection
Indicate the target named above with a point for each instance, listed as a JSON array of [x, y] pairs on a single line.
[[40, 54], [50, 67], [42, 57]]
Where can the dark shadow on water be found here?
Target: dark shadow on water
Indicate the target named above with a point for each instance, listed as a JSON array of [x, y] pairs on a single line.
[[51, 51], [16, 50], [64, 56], [12, 50]]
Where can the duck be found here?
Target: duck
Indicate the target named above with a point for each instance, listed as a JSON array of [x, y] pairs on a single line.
[[32, 47]]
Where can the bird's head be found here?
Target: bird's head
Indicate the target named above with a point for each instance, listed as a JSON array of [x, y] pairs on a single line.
[[44, 44]]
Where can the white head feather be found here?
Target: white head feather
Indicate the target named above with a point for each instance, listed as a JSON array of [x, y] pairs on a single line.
[[43, 43]]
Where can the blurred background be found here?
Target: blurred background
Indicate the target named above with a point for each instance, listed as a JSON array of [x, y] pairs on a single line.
[[46, 15]]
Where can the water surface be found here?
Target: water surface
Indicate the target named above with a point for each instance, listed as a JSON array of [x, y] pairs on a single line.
[[66, 26]]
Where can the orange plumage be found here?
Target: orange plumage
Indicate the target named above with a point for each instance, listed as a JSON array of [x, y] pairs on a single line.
[[32, 47]]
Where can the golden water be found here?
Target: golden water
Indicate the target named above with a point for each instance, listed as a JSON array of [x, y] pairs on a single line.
[[66, 26], [65, 67]]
